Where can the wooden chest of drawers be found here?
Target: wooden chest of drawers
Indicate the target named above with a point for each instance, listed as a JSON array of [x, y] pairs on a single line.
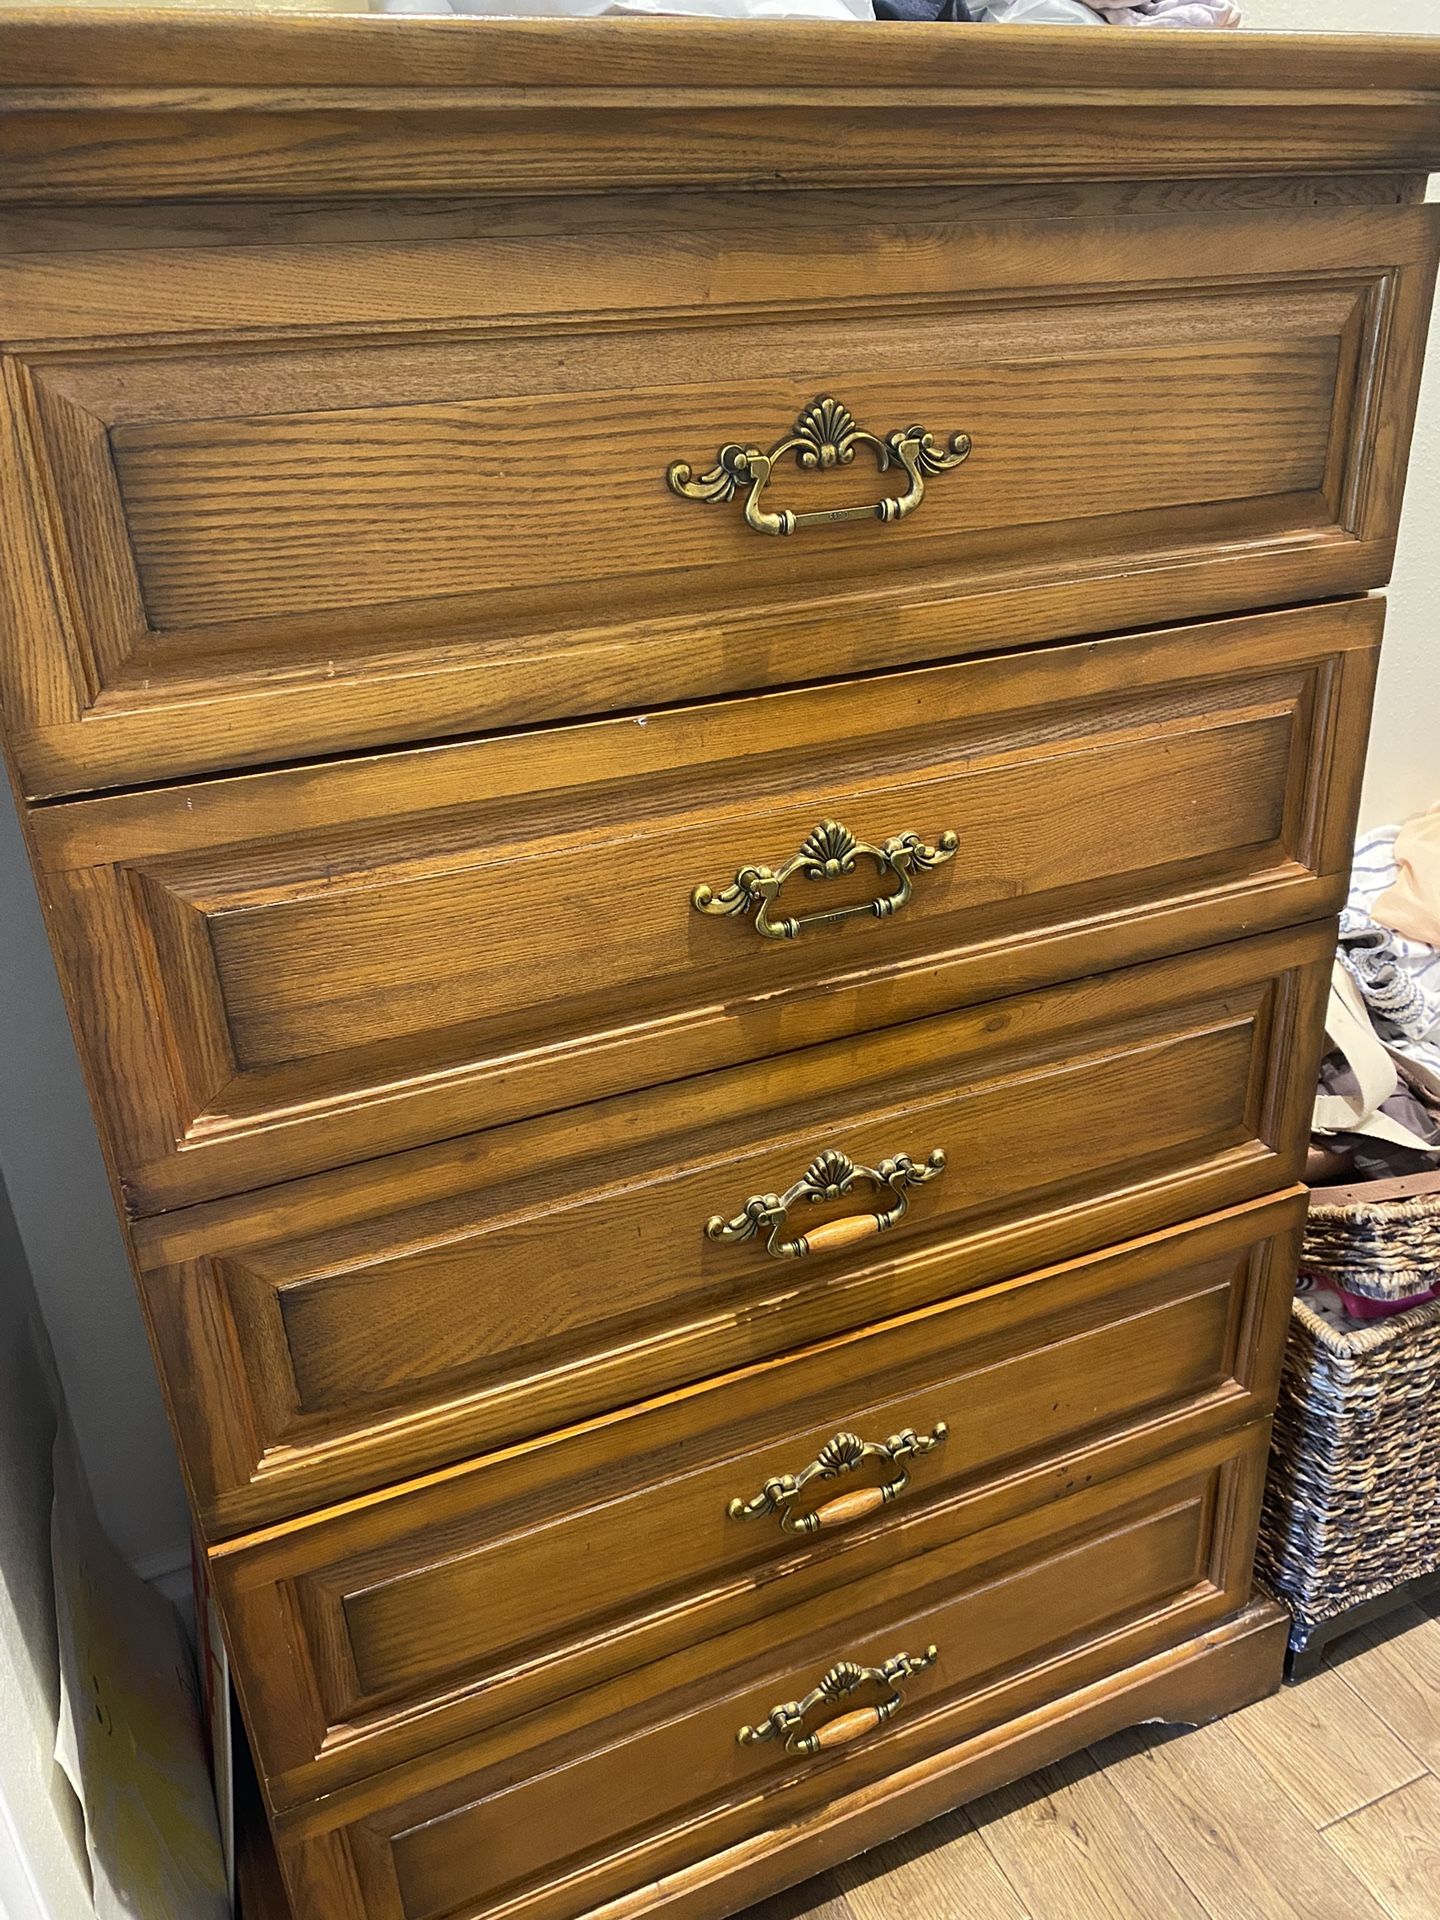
[[689, 701]]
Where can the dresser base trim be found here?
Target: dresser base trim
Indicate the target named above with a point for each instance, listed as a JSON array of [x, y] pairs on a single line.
[[1200, 1680]]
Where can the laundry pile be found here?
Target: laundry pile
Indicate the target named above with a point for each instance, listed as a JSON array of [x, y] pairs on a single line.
[[1376, 1124], [1038, 13], [1034, 13], [1379, 1106]]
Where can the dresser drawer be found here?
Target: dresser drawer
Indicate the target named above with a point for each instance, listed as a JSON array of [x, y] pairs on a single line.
[[284, 971], [462, 1601], [430, 498], [621, 1784], [353, 1329]]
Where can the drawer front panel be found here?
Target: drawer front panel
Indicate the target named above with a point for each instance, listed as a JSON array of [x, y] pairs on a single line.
[[336, 1333], [465, 1601], [291, 970], [455, 517], [550, 1826]]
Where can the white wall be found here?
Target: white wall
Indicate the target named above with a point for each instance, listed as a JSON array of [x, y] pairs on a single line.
[[43, 1875], [1403, 774]]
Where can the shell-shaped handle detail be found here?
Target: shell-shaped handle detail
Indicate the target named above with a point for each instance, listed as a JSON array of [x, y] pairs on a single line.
[[830, 1176], [787, 1722], [824, 436], [826, 853], [845, 1453]]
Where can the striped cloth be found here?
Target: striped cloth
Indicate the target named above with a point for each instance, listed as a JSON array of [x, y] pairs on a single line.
[[1399, 978]]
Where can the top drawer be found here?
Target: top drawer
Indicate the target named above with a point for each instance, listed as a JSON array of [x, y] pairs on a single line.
[[365, 493]]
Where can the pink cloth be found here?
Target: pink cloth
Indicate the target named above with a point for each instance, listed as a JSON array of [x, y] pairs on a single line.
[[1168, 13]]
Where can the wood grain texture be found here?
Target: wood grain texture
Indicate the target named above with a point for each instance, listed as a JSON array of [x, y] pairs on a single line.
[[1066, 1835], [1332, 1752], [473, 1597], [1048, 1838], [340, 366], [632, 1809], [1194, 1681], [233, 522], [323, 1338], [1219, 1813], [1399, 1678], [1393, 1847], [301, 219], [1170, 414], [141, 105], [970, 1887], [299, 969]]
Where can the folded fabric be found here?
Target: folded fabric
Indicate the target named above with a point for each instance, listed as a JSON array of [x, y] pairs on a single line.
[[1035, 13], [1371, 1099], [1373, 873], [924, 10], [703, 9], [1411, 903], [1393, 993], [1168, 13]]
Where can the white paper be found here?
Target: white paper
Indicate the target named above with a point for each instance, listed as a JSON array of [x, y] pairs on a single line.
[[130, 1739]]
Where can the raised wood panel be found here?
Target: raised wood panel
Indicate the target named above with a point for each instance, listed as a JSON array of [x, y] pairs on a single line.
[[1170, 416], [280, 972], [552, 1820], [237, 520], [327, 1336], [468, 1599]]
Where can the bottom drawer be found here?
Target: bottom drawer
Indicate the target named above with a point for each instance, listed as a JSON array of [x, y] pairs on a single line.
[[553, 1816]]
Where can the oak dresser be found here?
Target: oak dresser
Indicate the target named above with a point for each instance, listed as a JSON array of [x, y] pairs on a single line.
[[689, 700]]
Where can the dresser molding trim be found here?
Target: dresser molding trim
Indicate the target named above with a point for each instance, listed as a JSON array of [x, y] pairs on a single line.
[[137, 105]]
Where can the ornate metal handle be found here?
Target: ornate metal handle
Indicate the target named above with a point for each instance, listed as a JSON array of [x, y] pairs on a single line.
[[825, 435], [830, 1176], [844, 1454], [787, 1721], [825, 854]]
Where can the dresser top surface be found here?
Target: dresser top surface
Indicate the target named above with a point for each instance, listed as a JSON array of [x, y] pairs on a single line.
[[217, 103], [113, 50]]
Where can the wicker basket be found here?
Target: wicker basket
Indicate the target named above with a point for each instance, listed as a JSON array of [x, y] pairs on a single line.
[[1379, 1241], [1352, 1506]]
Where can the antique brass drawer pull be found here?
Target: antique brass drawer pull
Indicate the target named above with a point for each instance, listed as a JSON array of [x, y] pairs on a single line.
[[826, 853], [830, 1176], [824, 436], [844, 1454], [840, 1682]]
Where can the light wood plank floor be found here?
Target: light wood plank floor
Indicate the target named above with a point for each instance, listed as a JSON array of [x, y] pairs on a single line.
[[1320, 1804]]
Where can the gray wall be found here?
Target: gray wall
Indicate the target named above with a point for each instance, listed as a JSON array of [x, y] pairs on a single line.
[[50, 1161]]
